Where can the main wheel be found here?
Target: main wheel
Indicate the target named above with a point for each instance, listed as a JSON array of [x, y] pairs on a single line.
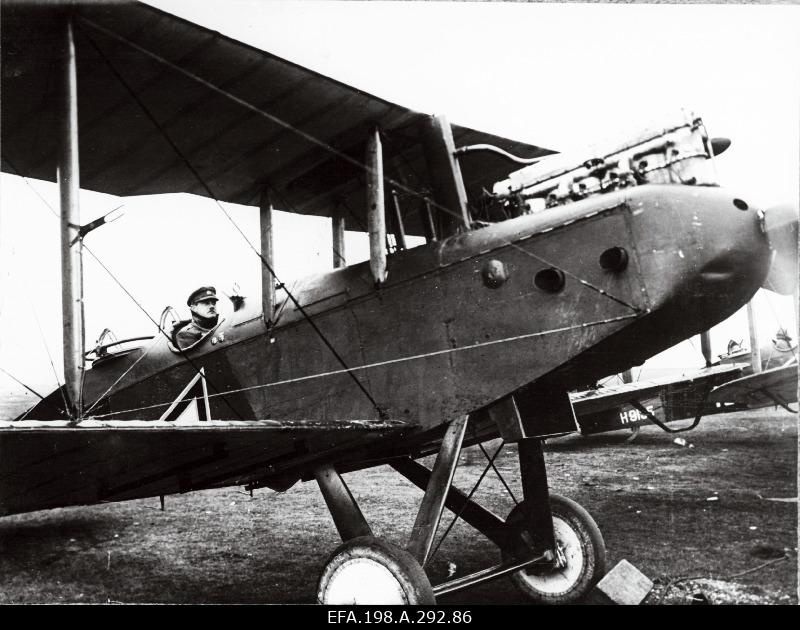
[[368, 570], [580, 551]]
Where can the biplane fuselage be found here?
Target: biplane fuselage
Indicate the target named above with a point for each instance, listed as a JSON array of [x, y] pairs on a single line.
[[437, 341]]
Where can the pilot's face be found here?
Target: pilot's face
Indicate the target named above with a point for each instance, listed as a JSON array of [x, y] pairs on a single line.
[[205, 308]]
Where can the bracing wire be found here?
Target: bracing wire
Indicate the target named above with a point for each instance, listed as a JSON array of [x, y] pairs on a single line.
[[694, 347], [211, 194], [15, 379], [309, 138], [49, 356], [585, 283], [491, 463], [130, 295], [114, 384], [499, 476], [466, 502], [182, 353]]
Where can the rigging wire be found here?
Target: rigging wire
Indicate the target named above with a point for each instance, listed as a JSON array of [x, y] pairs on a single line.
[[392, 142], [123, 375], [419, 194], [52, 364], [694, 347], [415, 357], [466, 502], [180, 350], [586, 283], [41, 332], [30, 389], [350, 211], [275, 119], [773, 310], [264, 262], [135, 301], [49, 356], [497, 472]]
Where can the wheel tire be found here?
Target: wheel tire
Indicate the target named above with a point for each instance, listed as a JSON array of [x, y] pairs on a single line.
[[368, 570], [582, 543]]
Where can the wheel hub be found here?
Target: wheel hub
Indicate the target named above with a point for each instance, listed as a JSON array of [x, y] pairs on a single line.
[[559, 575], [561, 557]]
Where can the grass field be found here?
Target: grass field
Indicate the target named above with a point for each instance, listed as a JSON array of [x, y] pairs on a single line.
[[703, 511]]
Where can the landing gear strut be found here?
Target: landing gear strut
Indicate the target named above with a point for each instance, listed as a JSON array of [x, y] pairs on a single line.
[[549, 544], [365, 569]]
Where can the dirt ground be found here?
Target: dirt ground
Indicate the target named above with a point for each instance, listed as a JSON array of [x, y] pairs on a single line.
[[720, 510]]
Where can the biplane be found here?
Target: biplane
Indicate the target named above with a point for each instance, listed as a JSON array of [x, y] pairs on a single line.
[[734, 383], [478, 333]]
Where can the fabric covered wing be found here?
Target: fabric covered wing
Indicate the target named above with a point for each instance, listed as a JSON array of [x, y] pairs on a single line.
[[245, 120], [591, 401], [44, 465], [770, 387]]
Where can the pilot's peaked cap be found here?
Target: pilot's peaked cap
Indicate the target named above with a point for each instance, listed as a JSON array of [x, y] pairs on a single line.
[[203, 293]]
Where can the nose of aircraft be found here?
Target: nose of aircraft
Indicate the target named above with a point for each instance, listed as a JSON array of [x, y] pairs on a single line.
[[781, 226], [707, 251]]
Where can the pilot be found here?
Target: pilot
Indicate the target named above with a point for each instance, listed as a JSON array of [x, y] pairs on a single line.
[[203, 304]]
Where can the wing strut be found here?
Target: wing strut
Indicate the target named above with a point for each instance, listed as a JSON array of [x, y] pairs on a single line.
[[448, 185], [267, 277], [337, 229], [705, 346], [71, 263], [376, 213], [755, 351]]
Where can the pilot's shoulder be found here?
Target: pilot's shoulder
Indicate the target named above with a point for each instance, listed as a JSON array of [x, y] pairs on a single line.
[[183, 327]]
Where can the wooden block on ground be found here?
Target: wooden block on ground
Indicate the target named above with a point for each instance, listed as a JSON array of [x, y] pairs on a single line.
[[624, 585]]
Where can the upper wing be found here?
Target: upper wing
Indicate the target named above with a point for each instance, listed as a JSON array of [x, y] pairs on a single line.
[[762, 389], [243, 118]]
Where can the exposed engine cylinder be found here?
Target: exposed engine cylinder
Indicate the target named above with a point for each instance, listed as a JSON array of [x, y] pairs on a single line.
[[679, 153]]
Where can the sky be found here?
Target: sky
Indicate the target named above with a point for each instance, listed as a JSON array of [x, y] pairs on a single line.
[[560, 76]]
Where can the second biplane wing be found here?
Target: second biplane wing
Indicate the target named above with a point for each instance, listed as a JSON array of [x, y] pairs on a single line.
[[120, 460], [776, 386], [167, 106], [667, 399]]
